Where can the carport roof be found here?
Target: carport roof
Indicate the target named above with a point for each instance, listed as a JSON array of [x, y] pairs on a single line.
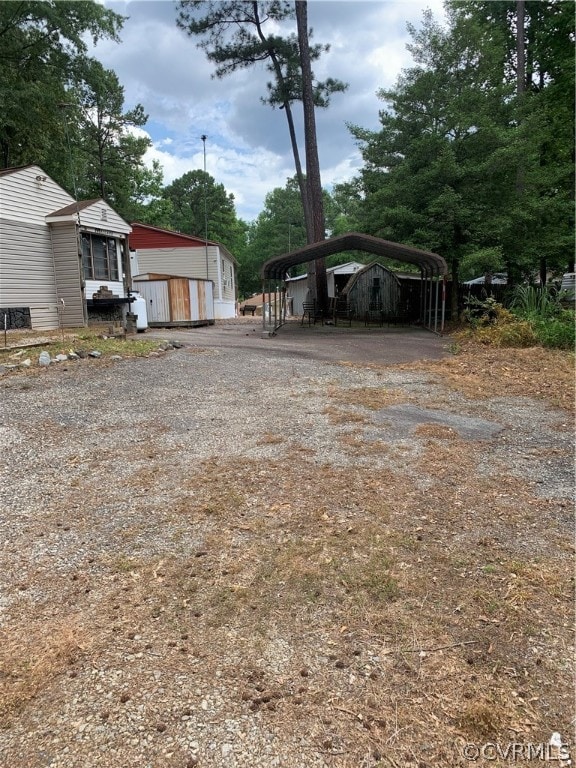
[[277, 267]]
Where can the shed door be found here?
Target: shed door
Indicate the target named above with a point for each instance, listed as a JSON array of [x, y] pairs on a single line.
[[157, 303]]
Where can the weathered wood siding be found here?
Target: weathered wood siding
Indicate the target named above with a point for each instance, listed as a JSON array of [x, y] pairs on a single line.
[[373, 287], [68, 277], [176, 300]]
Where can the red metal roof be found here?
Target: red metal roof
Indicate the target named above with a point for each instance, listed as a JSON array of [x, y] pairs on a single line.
[[144, 236]]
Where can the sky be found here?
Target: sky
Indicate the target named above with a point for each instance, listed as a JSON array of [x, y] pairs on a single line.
[[247, 147]]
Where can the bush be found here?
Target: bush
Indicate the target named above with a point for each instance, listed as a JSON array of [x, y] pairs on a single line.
[[553, 325], [536, 317], [556, 332], [508, 333]]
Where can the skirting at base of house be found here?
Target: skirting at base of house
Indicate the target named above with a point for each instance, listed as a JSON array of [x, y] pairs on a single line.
[[15, 317], [111, 313]]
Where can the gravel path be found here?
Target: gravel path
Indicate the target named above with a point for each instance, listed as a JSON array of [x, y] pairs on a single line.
[[96, 461]]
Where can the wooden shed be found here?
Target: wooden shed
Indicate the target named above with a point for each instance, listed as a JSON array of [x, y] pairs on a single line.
[[373, 290], [173, 301]]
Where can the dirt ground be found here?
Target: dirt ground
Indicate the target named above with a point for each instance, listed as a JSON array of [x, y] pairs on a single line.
[[328, 548]]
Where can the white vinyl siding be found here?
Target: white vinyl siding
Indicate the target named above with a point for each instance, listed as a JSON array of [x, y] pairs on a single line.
[[182, 262], [100, 217], [29, 195]]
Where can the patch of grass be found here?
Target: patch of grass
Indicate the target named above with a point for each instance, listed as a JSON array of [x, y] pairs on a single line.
[[32, 655], [483, 718], [340, 416], [373, 398], [373, 578]]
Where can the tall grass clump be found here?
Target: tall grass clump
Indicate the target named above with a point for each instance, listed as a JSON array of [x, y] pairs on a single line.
[[536, 316], [552, 323]]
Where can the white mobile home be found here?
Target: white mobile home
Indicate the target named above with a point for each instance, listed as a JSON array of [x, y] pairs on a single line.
[[61, 261], [165, 252]]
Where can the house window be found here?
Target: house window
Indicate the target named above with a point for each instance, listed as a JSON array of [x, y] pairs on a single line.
[[99, 257]]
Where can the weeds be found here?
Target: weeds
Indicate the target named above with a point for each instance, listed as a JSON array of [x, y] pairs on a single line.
[[536, 317]]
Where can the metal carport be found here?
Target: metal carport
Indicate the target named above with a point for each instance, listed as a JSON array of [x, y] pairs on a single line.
[[432, 268]]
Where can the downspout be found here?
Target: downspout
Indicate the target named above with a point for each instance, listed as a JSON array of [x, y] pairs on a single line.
[[218, 272]]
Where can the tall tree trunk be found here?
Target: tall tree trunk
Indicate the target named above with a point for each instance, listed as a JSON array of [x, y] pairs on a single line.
[[312, 162], [290, 119], [512, 265]]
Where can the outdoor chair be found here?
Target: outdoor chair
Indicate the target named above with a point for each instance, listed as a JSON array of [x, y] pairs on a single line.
[[312, 312]]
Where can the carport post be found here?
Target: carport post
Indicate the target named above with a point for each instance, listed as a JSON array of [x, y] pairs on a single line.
[[430, 301], [443, 303], [422, 297], [436, 307]]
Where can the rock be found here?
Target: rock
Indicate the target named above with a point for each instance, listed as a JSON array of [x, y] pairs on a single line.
[[95, 353], [154, 354], [116, 357], [81, 353], [177, 344], [44, 359], [73, 356], [3, 370], [61, 358]]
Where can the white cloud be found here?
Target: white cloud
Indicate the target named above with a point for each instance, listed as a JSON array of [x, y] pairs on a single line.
[[248, 148]]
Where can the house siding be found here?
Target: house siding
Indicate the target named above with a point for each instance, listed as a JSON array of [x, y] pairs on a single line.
[[100, 217], [39, 258], [27, 271], [144, 237], [68, 277], [191, 262], [23, 198], [172, 253]]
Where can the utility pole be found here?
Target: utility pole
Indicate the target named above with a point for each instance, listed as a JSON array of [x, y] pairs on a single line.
[[204, 137]]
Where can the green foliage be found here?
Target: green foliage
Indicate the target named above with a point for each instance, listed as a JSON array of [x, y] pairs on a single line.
[[536, 317], [41, 44], [469, 162], [110, 152], [483, 261], [533, 301], [196, 200], [552, 324]]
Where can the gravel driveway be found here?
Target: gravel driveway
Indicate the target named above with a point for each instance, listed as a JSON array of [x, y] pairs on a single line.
[[113, 482]]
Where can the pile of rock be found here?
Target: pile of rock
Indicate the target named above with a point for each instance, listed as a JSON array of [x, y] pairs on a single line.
[[18, 361]]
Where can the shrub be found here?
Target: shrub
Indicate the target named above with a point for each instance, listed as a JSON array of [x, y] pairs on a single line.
[[536, 316], [507, 333], [556, 332]]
